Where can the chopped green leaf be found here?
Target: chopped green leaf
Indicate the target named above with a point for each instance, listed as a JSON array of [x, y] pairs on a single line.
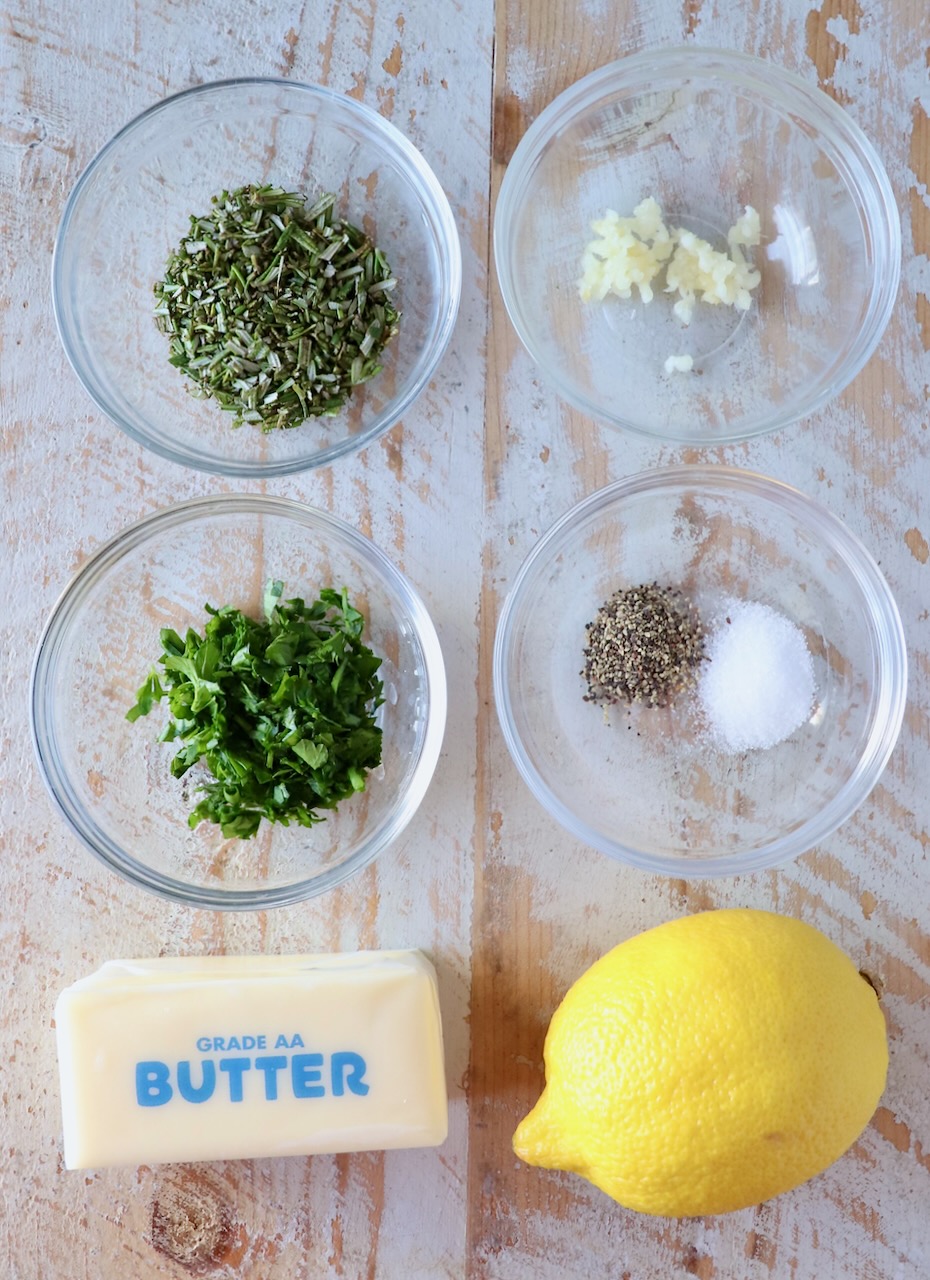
[[150, 693], [281, 712], [313, 753], [274, 310]]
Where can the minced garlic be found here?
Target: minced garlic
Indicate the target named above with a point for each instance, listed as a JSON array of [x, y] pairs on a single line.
[[631, 252]]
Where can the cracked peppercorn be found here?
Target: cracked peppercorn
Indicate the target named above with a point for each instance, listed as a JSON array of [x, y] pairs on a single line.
[[642, 647]]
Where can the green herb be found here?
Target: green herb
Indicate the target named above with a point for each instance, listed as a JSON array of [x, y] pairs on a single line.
[[281, 711], [643, 646], [275, 310]]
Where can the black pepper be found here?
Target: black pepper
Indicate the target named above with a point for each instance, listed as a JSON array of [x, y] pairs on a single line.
[[642, 647]]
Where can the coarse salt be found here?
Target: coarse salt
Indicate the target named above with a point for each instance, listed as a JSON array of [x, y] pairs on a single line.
[[679, 364], [757, 685]]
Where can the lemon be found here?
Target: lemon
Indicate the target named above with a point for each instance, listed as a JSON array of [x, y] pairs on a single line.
[[709, 1064]]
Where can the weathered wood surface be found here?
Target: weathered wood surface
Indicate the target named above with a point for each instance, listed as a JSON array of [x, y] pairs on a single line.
[[510, 909]]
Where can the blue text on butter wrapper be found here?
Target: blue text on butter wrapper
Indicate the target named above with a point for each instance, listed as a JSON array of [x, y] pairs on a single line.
[[227, 1044], [303, 1073]]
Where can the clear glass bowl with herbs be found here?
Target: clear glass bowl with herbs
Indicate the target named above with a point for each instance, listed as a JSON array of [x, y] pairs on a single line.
[[636, 767], [313, 309], [299, 712]]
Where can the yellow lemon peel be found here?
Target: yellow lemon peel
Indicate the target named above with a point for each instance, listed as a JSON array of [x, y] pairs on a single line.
[[709, 1064]]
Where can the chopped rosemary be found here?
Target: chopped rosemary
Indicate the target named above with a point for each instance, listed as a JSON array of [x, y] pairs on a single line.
[[276, 310]]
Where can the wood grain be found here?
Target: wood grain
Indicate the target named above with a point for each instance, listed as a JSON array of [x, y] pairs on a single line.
[[545, 907], [509, 907], [71, 79]]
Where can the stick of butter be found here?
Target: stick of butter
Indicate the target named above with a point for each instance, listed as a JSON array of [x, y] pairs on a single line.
[[232, 1057]]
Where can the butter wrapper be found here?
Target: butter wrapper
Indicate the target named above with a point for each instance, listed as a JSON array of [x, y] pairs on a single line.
[[228, 1057]]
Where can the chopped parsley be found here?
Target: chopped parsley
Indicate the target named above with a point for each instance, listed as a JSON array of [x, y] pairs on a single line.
[[281, 712]]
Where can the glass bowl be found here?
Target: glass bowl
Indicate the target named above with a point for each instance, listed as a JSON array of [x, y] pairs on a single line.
[[131, 207], [649, 785], [706, 132], [111, 779]]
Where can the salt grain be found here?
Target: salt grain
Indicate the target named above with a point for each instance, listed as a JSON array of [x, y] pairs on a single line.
[[757, 686]]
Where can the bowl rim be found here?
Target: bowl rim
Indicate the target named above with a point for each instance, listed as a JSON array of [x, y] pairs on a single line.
[[888, 641], [65, 612], [854, 155], [441, 221]]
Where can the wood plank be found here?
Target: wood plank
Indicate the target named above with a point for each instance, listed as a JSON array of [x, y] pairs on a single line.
[[70, 479], [544, 906]]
